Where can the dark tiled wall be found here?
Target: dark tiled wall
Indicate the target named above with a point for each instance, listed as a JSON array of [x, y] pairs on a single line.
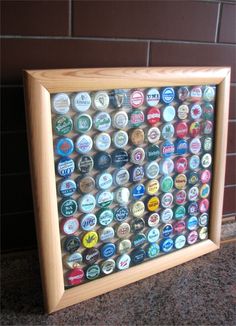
[[68, 34]]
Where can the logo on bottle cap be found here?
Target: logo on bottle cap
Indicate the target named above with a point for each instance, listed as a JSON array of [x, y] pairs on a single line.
[[153, 235], [102, 141], [104, 181], [153, 220], [83, 144], [121, 177], [153, 135], [206, 160], [81, 102], [193, 193], [153, 204], [137, 137], [152, 186], [196, 93], [75, 276], [102, 121], [105, 216], [180, 197], [68, 207], [168, 113], [136, 118], [67, 188], [167, 149], [64, 146], [166, 215], [65, 166], [195, 129], [183, 93], [183, 111], [63, 125], [120, 139], [153, 115], [100, 100], [152, 97], [88, 222], [120, 120], [90, 239], [196, 111], [60, 103], [87, 203], [181, 164], [136, 99], [85, 164], [123, 262], [83, 123], [195, 146], [104, 198], [168, 95], [69, 226], [181, 129]]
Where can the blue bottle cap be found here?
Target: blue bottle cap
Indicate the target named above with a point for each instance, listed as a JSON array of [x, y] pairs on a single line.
[[93, 272], [102, 161], [167, 230], [65, 167], [121, 213], [139, 239], [64, 146], [168, 95], [137, 256], [166, 245], [167, 149], [193, 208], [192, 223], [181, 146], [108, 250], [138, 191]]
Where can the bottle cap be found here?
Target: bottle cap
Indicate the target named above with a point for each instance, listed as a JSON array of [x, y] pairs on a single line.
[[181, 146], [179, 227], [136, 99], [168, 95], [138, 208], [203, 233], [122, 195], [136, 173], [120, 139], [153, 220], [152, 170], [193, 193], [119, 157], [102, 161], [93, 272], [85, 164], [69, 225], [206, 160], [100, 100], [106, 234], [121, 213], [73, 260], [181, 164], [193, 208], [196, 93], [204, 205], [87, 203], [192, 237], [153, 250], [205, 176], [167, 245], [102, 141], [209, 93], [183, 111], [124, 246], [104, 198], [153, 204], [71, 243], [88, 222], [83, 123], [152, 97], [62, 125], [105, 216], [102, 121], [153, 135], [195, 129], [168, 114], [196, 111], [123, 230], [75, 276], [65, 166], [121, 177], [108, 250], [180, 212], [194, 162], [207, 127], [203, 219], [167, 149], [153, 115], [108, 266], [137, 136], [136, 118], [192, 223], [195, 146], [139, 239], [64, 146], [207, 144], [180, 197], [180, 181], [166, 183], [167, 131], [67, 188], [60, 103], [167, 200], [81, 102], [90, 239], [137, 256], [118, 98], [138, 191], [183, 93], [91, 256], [181, 129], [104, 181], [208, 111], [120, 120], [86, 184], [166, 215], [180, 241], [152, 187], [153, 235], [83, 144], [152, 152], [204, 190], [138, 224], [137, 155], [68, 207], [166, 166]]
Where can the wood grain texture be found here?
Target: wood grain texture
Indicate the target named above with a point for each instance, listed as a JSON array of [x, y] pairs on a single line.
[[39, 85]]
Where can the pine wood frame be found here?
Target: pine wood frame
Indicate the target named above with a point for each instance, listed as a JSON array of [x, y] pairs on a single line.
[[38, 86]]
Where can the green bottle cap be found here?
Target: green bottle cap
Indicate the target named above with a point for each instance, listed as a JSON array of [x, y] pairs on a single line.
[[62, 125]]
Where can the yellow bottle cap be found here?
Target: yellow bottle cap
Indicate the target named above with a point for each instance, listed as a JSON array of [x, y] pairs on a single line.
[[152, 187], [90, 239], [153, 204]]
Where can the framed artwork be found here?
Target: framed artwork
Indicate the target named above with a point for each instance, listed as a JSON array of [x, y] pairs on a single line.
[[127, 168]]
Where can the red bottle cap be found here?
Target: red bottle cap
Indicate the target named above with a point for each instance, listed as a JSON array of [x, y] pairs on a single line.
[[181, 164], [181, 129], [75, 276], [153, 115]]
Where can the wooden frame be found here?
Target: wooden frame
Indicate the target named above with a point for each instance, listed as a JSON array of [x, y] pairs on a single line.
[[38, 85]]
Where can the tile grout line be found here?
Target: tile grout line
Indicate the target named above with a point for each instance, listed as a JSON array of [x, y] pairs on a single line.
[[148, 54], [218, 21], [112, 39]]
